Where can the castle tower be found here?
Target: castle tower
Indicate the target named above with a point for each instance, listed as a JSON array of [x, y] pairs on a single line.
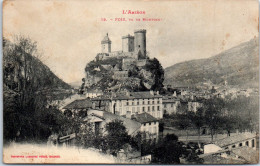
[[140, 41], [106, 44], [128, 43]]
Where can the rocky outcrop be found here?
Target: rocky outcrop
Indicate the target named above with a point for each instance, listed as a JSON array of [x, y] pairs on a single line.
[[117, 74]]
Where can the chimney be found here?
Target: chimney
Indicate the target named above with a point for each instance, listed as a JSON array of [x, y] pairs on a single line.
[[151, 92], [128, 115]]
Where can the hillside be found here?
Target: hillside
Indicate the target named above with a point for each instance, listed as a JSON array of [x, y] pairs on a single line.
[[239, 66], [23, 71]]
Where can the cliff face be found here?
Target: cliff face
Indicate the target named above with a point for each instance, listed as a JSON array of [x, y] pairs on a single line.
[[124, 73]]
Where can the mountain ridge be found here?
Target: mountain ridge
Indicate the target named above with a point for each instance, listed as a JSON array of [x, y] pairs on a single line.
[[237, 65]]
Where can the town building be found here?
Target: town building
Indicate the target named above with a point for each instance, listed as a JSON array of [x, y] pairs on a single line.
[[170, 104], [99, 119], [137, 103], [239, 140], [149, 125], [93, 93], [134, 103], [238, 155]]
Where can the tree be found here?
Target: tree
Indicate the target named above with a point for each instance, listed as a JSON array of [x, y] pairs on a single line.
[[214, 112], [157, 71], [167, 151], [116, 136], [183, 122], [26, 81], [198, 121]]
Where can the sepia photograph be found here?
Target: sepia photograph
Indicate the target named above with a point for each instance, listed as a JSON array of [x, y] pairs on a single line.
[[130, 82]]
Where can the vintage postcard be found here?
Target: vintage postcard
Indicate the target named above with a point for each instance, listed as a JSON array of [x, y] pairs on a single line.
[[130, 82]]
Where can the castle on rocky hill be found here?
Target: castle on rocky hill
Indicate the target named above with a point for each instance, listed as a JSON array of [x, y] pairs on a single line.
[[133, 53], [133, 47]]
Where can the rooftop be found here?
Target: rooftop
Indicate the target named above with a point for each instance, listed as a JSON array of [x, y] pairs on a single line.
[[79, 104], [247, 153], [234, 139], [131, 125], [106, 39], [129, 96], [144, 118], [127, 36], [137, 95]]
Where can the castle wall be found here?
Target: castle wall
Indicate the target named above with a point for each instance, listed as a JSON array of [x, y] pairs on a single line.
[[141, 62], [126, 63]]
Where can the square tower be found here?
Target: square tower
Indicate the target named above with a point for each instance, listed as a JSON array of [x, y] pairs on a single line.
[[128, 43]]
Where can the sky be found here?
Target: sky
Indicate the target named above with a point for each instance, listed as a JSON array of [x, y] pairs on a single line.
[[69, 32]]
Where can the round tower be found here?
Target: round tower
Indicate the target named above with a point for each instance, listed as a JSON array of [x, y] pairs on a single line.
[[140, 41]]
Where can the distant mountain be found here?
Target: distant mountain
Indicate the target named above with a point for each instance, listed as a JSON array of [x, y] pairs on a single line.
[[238, 66]]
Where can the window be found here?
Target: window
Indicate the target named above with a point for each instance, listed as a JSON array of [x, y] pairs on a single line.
[[149, 123], [148, 101], [148, 108], [133, 103], [233, 146], [138, 109], [246, 143], [133, 110], [158, 102], [240, 144], [143, 101], [153, 102], [153, 108], [253, 143], [164, 105], [127, 103], [137, 103], [171, 105], [158, 108], [143, 109]]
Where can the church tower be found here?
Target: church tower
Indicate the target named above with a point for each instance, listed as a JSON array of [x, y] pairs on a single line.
[[106, 45]]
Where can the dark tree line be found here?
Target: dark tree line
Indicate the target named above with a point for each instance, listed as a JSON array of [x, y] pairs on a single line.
[[25, 81], [217, 114]]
